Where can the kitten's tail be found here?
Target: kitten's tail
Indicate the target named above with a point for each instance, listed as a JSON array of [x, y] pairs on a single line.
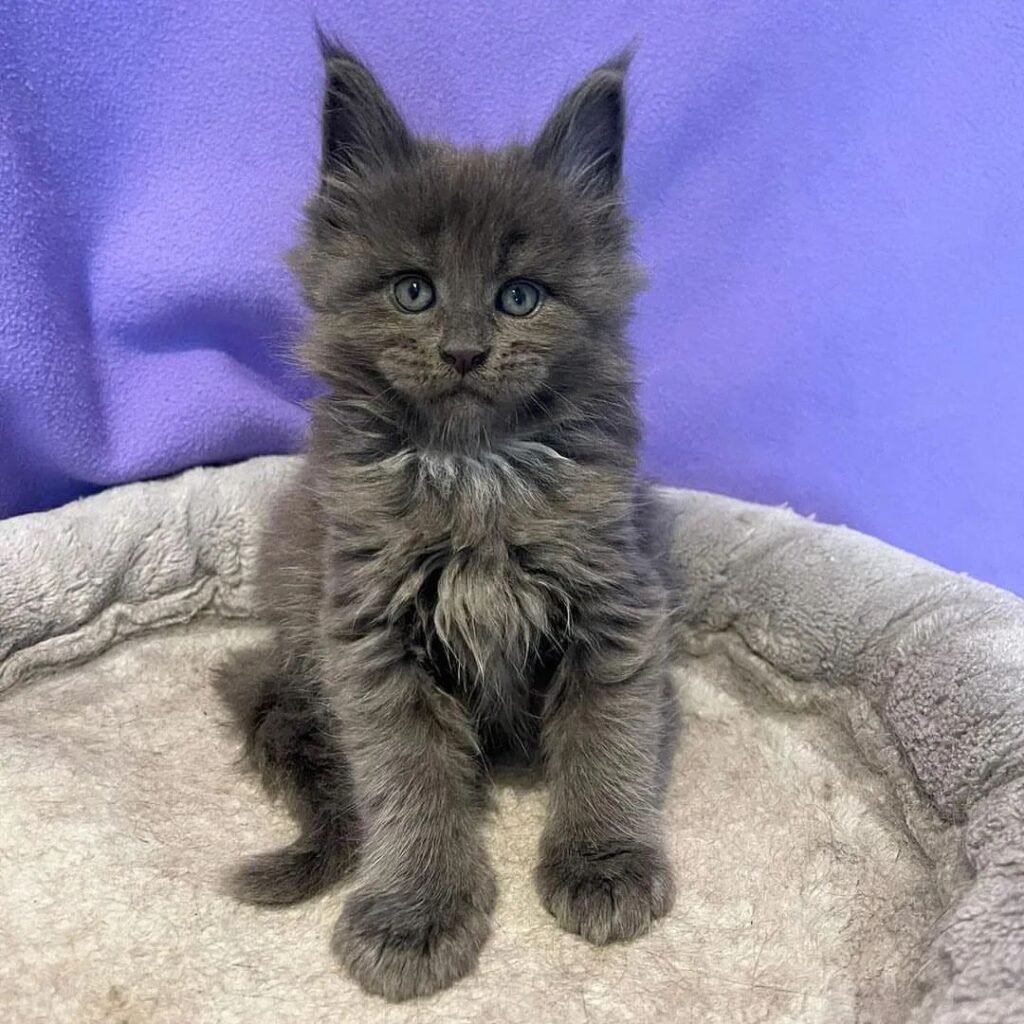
[[307, 867], [289, 738]]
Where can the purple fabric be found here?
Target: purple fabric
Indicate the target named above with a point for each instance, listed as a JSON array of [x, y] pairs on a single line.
[[829, 198]]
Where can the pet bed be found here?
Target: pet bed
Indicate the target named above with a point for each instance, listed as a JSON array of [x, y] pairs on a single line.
[[846, 815]]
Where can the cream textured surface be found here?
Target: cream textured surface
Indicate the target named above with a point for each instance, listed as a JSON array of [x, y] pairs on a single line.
[[799, 896], [829, 870]]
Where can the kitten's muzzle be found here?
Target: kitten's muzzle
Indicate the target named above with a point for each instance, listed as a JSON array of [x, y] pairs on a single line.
[[465, 360]]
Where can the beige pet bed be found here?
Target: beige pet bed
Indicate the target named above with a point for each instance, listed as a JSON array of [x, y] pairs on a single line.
[[846, 816]]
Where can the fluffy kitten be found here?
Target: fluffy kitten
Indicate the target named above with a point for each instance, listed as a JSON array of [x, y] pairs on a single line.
[[465, 569]]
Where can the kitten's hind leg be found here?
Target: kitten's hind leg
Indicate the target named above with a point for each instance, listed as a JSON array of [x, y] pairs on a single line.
[[290, 739]]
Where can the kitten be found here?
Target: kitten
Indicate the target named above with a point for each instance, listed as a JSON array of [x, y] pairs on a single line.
[[465, 569]]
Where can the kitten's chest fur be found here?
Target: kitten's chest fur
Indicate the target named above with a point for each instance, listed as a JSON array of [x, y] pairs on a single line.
[[488, 631], [482, 593]]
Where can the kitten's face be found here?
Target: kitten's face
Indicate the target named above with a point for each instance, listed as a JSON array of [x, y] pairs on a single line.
[[472, 285]]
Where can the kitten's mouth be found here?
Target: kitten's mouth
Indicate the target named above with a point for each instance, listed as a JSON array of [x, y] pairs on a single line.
[[465, 393]]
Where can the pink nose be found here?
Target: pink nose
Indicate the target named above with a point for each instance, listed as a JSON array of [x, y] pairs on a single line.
[[465, 360]]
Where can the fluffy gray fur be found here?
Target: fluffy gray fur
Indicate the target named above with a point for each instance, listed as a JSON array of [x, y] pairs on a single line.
[[467, 570]]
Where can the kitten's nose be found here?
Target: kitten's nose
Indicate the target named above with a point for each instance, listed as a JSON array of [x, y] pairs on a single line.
[[465, 359]]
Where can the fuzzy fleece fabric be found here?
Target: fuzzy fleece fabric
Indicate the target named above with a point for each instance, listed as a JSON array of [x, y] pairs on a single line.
[[846, 816], [827, 199]]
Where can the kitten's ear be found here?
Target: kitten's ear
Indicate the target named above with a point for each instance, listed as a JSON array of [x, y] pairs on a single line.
[[362, 130], [582, 140]]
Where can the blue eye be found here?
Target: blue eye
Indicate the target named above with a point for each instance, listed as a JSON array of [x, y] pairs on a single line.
[[518, 298], [413, 293]]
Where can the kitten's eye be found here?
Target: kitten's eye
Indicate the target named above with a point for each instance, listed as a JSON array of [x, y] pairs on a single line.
[[413, 293], [518, 298]]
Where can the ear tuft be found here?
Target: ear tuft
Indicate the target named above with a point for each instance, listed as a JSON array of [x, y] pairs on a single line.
[[583, 139], [362, 130]]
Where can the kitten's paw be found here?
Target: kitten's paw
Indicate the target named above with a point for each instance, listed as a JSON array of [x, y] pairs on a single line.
[[608, 892], [400, 945]]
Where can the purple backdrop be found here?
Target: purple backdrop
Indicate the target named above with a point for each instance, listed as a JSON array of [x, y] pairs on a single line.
[[830, 197]]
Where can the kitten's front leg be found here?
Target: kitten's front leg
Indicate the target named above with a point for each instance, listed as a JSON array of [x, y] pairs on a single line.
[[602, 872], [420, 911]]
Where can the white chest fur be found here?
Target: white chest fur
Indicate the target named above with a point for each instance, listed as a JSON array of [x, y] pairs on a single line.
[[489, 610]]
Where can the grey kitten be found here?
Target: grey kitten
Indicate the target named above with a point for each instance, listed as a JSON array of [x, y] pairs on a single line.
[[466, 569]]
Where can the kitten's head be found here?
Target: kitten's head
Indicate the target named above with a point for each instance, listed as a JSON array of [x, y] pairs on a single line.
[[469, 288]]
